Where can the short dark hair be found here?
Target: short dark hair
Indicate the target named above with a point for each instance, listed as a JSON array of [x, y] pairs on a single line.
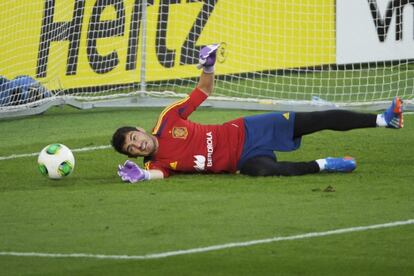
[[118, 138]]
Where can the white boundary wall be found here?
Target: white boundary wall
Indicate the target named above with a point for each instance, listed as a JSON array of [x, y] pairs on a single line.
[[358, 39]]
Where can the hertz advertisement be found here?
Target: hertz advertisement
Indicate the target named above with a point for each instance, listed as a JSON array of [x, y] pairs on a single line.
[[84, 43]]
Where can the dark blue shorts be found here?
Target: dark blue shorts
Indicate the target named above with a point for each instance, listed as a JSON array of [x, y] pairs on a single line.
[[266, 133]]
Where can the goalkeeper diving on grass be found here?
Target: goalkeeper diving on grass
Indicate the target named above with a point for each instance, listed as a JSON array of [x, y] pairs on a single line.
[[246, 145]]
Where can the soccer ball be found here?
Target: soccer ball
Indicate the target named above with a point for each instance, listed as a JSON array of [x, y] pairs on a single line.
[[56, 161]]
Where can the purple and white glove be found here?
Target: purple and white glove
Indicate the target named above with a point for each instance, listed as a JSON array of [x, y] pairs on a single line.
[[207, 58], [131, 172]]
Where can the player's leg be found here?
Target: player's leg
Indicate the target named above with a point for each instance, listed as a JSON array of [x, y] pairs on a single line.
[[342, 120], [267, 166]]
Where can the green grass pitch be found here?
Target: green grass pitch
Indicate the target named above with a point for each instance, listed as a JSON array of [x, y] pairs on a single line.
[[93, 212]]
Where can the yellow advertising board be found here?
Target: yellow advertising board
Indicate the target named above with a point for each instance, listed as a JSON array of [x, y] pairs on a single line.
[[84, 43]]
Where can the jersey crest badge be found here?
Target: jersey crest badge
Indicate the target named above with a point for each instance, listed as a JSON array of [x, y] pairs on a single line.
[[180, 132], [286, 115]]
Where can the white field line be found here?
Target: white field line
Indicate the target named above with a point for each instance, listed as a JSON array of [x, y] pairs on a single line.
[[15, 156], [209, 248]]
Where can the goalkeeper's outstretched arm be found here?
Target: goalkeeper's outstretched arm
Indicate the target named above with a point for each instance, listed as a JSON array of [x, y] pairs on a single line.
[[206, 61], [206, 83]]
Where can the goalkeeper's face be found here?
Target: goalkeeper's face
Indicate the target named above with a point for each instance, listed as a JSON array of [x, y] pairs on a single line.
[[139, 143]]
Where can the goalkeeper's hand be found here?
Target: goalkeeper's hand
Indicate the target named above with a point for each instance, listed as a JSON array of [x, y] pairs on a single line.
[[131, 172], [207, 58]]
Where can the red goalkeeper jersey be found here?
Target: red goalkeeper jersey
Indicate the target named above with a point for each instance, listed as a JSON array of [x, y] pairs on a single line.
[[185, 146]]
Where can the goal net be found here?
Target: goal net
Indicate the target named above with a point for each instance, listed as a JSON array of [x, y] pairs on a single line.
[[280, 54]]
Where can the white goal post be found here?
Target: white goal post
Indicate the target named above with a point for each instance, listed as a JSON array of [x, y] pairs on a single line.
[[275, 54]]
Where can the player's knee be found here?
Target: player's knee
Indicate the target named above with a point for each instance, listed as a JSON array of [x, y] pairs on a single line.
[[259, 166]]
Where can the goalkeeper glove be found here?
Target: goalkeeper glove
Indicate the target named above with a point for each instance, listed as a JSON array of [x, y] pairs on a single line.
[[207, 58], [131, 172]]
